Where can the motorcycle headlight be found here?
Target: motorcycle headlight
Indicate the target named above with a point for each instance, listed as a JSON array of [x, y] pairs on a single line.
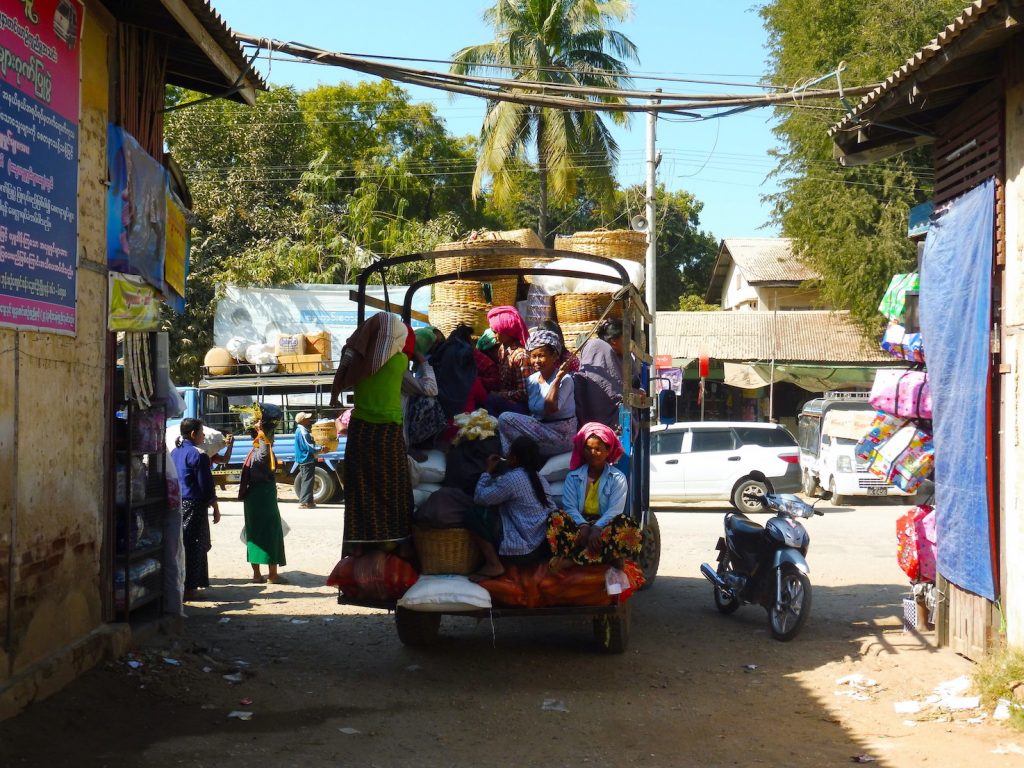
[[843, 464]]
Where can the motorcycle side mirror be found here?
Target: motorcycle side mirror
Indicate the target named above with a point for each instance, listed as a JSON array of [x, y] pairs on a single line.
[[825, 495]]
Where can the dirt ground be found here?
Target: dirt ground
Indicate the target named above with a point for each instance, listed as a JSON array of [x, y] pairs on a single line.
[[331, 685]]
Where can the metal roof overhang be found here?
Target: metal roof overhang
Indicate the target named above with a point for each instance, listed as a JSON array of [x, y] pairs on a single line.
[[202, 54], [903, 112]]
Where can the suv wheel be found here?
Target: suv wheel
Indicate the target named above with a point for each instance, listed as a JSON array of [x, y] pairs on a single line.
[[748, 485]]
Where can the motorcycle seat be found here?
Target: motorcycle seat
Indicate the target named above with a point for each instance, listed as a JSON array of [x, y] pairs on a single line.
[[742, 525]]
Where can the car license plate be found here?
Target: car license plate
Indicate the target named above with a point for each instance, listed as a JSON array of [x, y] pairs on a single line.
[[877, 491]]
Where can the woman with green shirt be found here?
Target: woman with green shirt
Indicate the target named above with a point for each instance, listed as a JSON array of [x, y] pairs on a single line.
[[378, 491]]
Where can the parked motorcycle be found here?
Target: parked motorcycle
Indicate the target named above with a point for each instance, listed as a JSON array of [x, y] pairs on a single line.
[[767, 565]]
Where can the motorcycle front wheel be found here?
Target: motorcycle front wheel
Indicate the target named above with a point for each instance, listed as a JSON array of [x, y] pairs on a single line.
[[788, 615], [723, 602]]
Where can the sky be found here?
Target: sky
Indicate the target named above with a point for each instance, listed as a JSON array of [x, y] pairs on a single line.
[[724, 162]]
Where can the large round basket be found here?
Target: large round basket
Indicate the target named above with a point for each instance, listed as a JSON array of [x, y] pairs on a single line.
[[583, 307], [455, 263], [524, 238], [610, 243], [447, 317], [504, 292], [325, 433], [446, 550], [459, 292], [573, 331]]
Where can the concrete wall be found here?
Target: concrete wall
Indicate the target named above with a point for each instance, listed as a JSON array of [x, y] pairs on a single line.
[[52, 489], [737, 290], [1012, 379]]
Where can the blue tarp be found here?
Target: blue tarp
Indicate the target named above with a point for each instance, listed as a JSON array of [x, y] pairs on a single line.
[[955, 304]]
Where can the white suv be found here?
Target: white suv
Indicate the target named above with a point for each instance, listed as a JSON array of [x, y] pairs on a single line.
[[722, 460]]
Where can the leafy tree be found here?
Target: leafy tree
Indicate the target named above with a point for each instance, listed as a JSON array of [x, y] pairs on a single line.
[[849, 223], [685, 254], [567, 42], [693, 302], [234, 157]]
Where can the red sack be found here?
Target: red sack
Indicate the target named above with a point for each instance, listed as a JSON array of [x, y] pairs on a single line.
[[911, 540], [374, 575]]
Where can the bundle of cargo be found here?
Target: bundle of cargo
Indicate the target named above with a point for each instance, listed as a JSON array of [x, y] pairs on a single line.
[[465, 302], [610, 243]]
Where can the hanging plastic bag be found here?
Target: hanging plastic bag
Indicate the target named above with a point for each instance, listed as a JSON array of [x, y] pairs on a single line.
[[882, 428], [905, 346], [615, 581], [894, 301], [902, 392]]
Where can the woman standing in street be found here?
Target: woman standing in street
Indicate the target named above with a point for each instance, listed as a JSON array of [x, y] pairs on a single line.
[[264, 533], [197, 495]]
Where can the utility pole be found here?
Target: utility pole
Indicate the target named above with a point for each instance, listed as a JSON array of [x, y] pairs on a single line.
[[651, 293]]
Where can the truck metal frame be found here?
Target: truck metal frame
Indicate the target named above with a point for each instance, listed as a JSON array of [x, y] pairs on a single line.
[[612, 621]]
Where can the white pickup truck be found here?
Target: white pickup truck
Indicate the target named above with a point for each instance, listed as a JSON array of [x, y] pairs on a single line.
[[828, 430]]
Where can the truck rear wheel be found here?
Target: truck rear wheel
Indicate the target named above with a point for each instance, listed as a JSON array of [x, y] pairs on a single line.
[[325, 485], [810, 484], [611, 630], [416, 628]]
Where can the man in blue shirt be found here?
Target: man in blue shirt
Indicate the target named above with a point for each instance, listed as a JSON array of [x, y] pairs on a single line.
[[306, 450]]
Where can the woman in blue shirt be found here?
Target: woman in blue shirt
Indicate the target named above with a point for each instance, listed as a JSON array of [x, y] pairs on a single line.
[[594, 526], [552, 419], [510, 521], [197, 495]]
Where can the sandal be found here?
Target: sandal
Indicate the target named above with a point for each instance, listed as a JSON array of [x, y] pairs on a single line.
[[259, 579], [278, 580]]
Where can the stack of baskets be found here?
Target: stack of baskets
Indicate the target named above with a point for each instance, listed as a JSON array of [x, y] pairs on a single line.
[[579, 312], [465, 302], [446, 550]]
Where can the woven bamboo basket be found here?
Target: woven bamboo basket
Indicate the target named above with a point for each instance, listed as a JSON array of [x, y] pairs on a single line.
[[610, 243], [572, 332], [583, 307], [325, 433], [456, 263], [447, 317], [459, 292], [446, 550], [504, 292], [525, 238]]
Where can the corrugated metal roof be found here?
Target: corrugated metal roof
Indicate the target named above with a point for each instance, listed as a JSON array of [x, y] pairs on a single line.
[[767, 260], [964, 21], [812, 336]]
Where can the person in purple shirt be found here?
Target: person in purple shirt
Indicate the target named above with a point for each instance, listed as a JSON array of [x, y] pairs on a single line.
[[197, 496]]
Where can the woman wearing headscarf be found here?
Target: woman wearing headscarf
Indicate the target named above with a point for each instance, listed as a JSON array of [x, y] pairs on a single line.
[[567, 359], [552, 418], [594, 527], [599, 385], [423, 414], [513, 361], [378, 490], [485, 355], [264, 532]]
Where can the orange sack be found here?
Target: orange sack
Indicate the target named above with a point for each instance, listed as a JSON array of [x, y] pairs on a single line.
[[375, 575]]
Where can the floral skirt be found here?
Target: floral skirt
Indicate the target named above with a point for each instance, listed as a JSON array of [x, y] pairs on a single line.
[[621, 540]]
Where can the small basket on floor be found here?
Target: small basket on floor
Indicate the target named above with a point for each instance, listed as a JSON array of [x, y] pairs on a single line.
[[446, 550]]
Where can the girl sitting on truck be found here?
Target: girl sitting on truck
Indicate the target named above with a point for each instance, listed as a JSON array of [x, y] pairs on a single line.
[[594, 527], [552, 419], [513, 361], [514, 502]]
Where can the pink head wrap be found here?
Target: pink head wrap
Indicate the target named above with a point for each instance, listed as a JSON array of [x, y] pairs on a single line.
[[507, 320], [602, 433]]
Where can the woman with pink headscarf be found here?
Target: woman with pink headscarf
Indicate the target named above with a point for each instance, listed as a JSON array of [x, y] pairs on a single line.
[[594, 527], [514, 366]]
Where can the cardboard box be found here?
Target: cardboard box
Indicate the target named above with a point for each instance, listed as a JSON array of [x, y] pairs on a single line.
[[301, 363], [290, 344]]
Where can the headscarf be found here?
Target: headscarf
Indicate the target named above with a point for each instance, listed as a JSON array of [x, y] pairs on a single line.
[[507, 320], [487, 341], [542, 338], [410, 341], [425, 338], [372, 344], [602, 433]]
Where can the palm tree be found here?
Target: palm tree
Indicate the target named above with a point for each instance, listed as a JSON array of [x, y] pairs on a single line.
[[552, 41]]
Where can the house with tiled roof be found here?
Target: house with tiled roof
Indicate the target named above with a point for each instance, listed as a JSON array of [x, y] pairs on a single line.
[[761, 273]]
